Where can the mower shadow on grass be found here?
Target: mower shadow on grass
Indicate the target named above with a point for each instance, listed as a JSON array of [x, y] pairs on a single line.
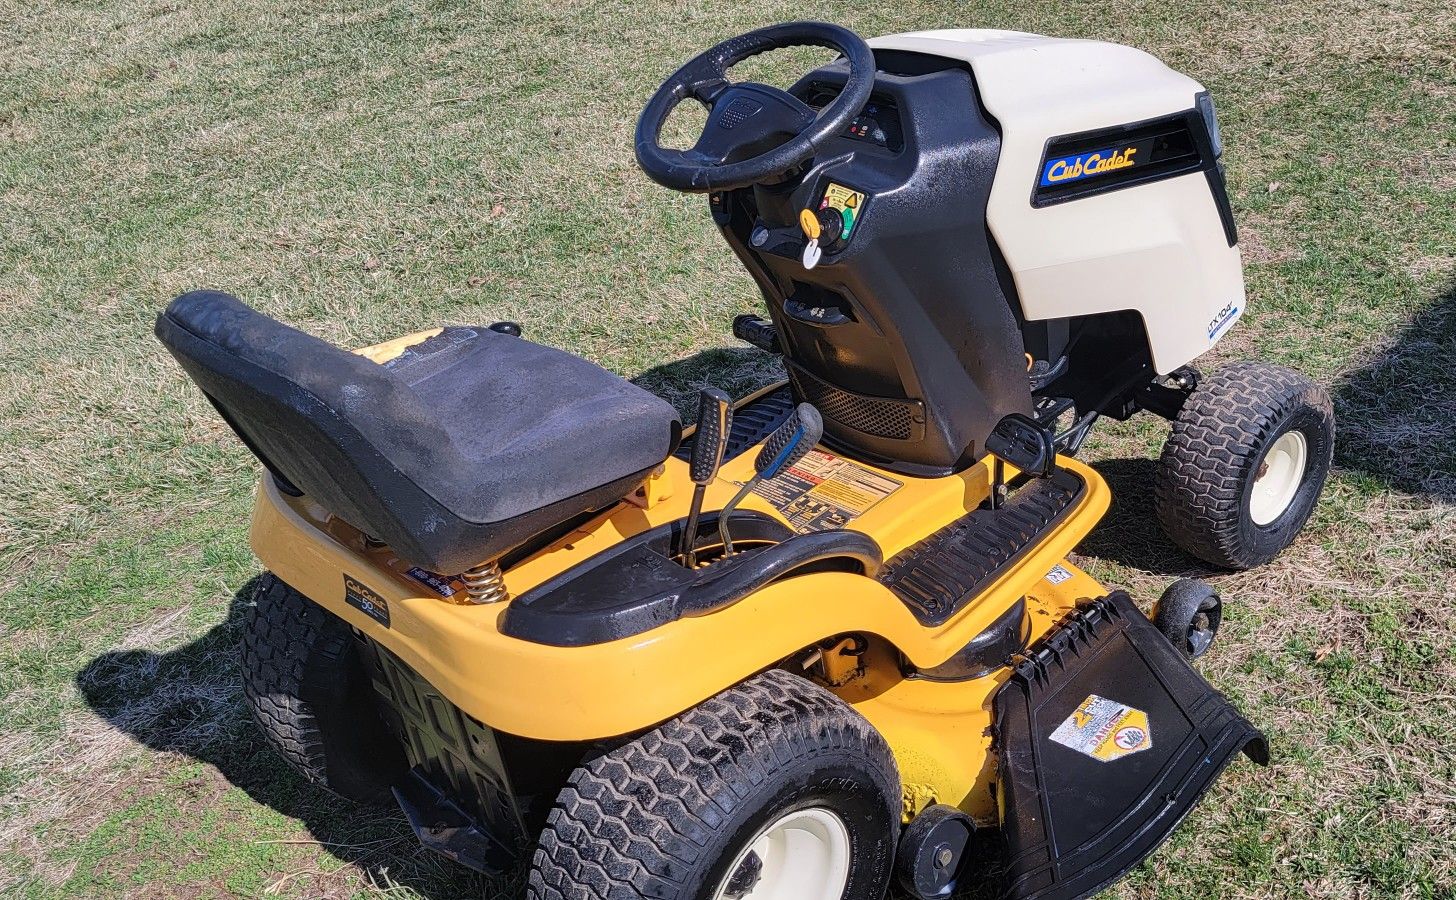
[[1396, 415], [1129, 534], [737, 370], [189, 701]]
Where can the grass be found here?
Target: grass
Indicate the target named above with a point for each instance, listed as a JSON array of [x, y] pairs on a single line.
[[367, 169]]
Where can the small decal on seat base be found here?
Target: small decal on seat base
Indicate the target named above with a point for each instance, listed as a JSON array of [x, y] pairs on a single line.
[[440, 584], [366, 601]]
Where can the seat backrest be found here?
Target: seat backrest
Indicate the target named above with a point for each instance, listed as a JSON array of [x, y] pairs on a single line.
[[463, 447], [303, 406]]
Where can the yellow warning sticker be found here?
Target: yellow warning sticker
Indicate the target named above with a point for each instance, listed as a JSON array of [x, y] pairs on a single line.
[[823, 491], [848, 201], [1105, 729], [841, 197]]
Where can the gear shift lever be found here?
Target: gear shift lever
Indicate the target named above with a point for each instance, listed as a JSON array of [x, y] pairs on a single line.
[[790, 443], [715, 419]]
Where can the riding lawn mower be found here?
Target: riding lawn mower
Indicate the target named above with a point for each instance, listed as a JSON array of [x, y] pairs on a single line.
[[829, 637]]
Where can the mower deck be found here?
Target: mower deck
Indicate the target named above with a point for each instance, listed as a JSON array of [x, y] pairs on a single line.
[[1106, 739]]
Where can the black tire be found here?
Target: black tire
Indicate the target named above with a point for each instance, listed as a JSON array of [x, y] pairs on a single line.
[[665, 815], [1218, 444], [1189, 614], [311, 696]]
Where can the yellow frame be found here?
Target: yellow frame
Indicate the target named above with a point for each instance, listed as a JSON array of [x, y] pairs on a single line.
[[939, 732]]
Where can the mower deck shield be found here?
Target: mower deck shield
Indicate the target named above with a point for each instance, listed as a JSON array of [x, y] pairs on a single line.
[[1107, 738]]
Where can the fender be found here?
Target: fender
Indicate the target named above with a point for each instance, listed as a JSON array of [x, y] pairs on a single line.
[[591, 692]]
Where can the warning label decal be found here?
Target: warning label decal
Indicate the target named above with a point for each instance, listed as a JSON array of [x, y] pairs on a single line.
[[823, 492], [1058, 574], [1105, 730]]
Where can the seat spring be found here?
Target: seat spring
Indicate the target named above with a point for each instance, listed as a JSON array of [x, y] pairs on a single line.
[[485, 584]]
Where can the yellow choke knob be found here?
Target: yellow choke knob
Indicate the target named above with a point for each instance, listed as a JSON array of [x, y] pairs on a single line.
[[810, 223]]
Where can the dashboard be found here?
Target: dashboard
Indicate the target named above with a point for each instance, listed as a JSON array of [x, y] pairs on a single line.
[[877, 124]]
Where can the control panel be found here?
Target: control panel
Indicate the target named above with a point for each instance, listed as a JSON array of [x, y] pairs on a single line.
[[878, 123]]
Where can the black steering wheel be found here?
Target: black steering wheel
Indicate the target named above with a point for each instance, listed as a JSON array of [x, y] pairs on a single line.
[[754, 131]]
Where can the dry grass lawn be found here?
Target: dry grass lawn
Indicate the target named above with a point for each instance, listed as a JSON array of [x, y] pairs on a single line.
[[364, 169]]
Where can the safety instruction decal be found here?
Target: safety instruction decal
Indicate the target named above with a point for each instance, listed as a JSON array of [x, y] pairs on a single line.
[[1058, 574], [1105, 730], [823, 492], [848, 201]]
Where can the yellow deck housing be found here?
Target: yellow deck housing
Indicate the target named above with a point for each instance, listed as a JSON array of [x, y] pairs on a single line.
[[939, 732]]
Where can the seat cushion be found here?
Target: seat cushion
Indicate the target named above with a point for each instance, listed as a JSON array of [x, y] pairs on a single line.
[[459, 449]]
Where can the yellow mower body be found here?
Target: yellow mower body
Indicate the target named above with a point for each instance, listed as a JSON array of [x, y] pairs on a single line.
[[939, 732]]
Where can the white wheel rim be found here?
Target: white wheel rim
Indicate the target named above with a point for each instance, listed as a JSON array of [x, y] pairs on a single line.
[[1278, 478], [804, 855]]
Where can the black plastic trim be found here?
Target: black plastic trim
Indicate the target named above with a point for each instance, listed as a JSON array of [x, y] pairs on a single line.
[[445, 828], [1217, 182], [987, 651], [1072, 823], [458, 796], [639, 584], [937, 343], [938, 576]]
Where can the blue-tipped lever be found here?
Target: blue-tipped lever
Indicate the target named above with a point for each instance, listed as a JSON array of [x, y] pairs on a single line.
[[789, 443]]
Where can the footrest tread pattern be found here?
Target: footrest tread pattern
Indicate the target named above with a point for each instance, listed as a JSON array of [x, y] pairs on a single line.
[[938, 576], [752, 422]]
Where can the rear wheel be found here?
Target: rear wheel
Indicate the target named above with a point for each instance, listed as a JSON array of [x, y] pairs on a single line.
[[773, 790], [311, 697], [1245, 463]]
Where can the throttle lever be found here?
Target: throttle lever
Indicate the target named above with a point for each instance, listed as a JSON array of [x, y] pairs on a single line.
[[710, 441]]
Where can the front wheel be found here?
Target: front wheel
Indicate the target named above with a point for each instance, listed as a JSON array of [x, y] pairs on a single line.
[[1245, 463], [773, 790]]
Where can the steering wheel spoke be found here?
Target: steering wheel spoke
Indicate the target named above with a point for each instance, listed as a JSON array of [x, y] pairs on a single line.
[[779, 130], [709, 89]]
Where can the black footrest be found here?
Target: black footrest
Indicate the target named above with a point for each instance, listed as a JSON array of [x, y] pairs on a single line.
[[1106, 738], [752, 422], [939, 575]]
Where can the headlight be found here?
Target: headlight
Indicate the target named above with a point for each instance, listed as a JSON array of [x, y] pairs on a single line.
[[1204, 102]]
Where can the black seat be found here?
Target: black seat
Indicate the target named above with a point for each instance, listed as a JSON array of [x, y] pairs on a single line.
[[458, 450]]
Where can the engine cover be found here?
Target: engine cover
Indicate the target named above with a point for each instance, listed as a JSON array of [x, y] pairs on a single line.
[[1109, 239]]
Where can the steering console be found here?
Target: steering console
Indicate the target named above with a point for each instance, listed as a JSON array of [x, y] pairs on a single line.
[[755, 132]]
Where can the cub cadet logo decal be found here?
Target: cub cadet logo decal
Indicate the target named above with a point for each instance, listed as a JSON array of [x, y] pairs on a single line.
[[1086, 165], [366, 601]]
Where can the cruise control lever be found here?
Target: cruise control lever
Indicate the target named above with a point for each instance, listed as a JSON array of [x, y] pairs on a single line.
[[789, 443]]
